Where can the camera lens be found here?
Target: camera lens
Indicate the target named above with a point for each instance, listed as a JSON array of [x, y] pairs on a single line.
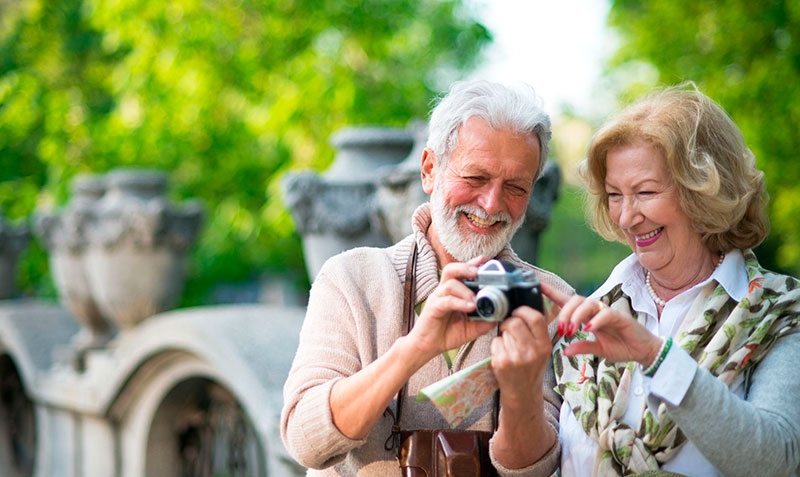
[[491, 304]]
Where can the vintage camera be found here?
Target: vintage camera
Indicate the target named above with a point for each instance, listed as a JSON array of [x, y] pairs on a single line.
[[501, 288]]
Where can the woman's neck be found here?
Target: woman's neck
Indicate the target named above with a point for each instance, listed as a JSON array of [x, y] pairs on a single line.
[[667, 288]]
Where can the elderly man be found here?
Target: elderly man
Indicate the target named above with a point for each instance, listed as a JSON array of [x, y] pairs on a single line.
[[487, 145]]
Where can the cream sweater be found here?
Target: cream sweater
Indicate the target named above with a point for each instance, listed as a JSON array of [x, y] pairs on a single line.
[[354, 315]]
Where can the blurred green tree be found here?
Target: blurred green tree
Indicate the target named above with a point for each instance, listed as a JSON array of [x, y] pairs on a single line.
[[745, 55], [225, 95]]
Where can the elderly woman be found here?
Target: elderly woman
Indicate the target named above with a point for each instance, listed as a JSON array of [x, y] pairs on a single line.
[[685, 359]]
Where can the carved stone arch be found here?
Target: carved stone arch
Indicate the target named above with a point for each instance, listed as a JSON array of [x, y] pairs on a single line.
[[178, 416]]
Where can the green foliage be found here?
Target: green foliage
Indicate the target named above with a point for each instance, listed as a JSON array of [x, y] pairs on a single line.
[[745, 55], [226, 95], [572, 250]]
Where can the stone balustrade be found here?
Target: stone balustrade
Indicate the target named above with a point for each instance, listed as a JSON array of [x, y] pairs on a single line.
[[185, 392]]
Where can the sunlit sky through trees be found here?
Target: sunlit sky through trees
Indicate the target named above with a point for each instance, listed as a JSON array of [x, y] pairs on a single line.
[[557, 47]]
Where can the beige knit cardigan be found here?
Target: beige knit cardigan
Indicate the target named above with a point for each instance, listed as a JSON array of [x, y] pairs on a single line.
[[354, 315]]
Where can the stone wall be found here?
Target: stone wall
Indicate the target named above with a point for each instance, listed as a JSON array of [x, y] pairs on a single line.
[[184, 392], [110, 381]]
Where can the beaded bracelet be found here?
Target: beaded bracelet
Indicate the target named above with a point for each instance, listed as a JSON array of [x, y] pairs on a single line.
[[650, 371]]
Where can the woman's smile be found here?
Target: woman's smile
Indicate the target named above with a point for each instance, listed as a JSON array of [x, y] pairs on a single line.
[[649, 238]]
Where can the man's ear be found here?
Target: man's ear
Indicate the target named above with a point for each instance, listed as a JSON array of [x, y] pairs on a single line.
[[428, 170]]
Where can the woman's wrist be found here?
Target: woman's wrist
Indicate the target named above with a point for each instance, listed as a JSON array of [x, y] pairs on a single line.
[[654, 364], [652, 352]]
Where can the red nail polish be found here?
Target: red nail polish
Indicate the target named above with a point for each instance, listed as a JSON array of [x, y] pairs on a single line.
[[560, 329], [570, 329], [587, 327]]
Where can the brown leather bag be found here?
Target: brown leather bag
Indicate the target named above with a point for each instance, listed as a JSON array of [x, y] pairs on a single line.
[[445, 453], [436, 452]]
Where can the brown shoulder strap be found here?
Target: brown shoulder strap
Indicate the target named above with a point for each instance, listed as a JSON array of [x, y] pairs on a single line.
[[409, 299], [409, 295], [408, 317], [393, 441]]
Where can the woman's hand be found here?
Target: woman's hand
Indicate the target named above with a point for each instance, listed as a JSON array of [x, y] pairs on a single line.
[[443, 323], [618, 337]]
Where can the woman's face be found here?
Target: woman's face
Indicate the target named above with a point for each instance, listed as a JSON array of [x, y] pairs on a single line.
[[643, 201]]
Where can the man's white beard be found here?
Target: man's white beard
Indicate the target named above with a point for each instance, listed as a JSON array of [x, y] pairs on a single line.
[[466, 245]]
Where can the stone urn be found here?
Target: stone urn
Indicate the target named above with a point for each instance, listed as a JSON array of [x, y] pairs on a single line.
[[13, 240], [64, 236], [138, 246], [399, 190], [333, 211]]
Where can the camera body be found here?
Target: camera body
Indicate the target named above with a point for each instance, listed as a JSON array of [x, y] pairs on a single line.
[[501, 288]]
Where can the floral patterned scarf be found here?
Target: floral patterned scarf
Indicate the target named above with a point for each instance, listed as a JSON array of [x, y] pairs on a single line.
[[724, 337]]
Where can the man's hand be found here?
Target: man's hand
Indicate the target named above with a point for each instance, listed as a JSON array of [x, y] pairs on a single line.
[[520, 353], [443, 323], [519, 357]]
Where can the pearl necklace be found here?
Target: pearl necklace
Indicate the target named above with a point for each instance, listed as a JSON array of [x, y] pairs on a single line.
[[660, 301]]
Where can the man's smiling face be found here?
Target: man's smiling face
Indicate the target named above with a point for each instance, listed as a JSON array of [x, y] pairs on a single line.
[[479, 198]]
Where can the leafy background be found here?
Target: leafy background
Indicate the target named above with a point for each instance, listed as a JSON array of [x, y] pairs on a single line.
[[745, 55], [229, 95], [225, 95]]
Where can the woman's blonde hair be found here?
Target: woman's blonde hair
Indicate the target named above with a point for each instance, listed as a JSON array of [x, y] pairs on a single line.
[[719, 187]]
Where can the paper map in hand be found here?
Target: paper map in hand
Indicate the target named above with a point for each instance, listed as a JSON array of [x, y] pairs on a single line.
[[458, 394]]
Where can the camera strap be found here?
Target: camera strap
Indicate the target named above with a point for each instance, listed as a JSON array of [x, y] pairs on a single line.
[[409, 298]]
